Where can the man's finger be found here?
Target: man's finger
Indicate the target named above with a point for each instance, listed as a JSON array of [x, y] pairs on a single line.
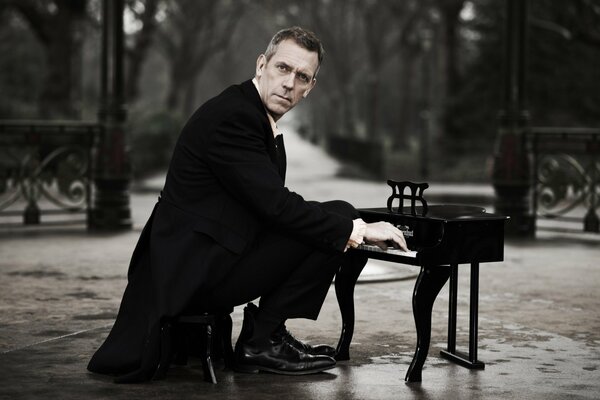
[[400, 240]]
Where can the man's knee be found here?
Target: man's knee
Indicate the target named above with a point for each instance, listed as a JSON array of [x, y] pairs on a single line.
[[341, 207]]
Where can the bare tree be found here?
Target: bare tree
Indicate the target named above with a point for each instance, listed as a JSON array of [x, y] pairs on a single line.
[[57, 26], [450, 11], [577, 20], [361, 38], [338, 25], [193, 32], [380, 33], [139, 42], [388, 26]]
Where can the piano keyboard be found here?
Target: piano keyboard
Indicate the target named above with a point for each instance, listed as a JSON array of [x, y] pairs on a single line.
[[390, 250]]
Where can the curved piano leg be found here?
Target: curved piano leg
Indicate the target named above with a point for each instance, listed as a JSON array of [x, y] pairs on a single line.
[[428, 285], [345, 280]]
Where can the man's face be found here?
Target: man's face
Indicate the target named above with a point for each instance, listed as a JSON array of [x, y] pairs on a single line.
[[286, 78]]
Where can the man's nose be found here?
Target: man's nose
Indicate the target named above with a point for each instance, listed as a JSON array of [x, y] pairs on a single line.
[[289, 81]]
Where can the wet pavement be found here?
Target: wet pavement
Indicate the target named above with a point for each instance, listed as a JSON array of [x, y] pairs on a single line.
[[539, 320]]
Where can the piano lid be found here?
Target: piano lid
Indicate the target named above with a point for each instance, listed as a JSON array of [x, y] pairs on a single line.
[[411, 192], [443, 212]]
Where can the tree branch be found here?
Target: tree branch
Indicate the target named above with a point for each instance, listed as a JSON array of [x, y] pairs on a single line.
[[34, 16], [577, 35]]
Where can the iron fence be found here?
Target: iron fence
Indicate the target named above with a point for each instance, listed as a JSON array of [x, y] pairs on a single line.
[[45, 170], [566, 165]]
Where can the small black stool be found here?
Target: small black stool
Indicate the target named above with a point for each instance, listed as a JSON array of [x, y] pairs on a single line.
[[215, 341]]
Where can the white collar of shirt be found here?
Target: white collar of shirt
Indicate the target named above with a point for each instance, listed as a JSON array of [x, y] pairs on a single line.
[[274, 128]]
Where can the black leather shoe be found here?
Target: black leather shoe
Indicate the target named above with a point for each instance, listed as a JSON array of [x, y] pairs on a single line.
[[283, 334], [320, 349], [278, 357], [253, 355]]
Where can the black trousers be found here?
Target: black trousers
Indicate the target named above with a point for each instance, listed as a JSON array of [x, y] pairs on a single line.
[[290, 275]]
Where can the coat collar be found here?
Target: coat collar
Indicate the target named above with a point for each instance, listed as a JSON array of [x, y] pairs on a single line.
[[251, 93]]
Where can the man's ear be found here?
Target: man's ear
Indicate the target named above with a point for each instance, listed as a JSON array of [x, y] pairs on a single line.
[[260, 65]]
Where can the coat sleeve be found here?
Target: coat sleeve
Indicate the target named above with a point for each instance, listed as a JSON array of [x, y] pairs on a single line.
[[236, 153]]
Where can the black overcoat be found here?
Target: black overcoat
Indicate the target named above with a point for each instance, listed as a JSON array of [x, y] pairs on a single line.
[[224, 186]]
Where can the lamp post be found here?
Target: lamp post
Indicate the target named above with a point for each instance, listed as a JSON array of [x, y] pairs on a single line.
[[511, 175], [112, 169]]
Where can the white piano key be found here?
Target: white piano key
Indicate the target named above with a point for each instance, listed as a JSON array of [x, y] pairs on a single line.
[[390, 250]]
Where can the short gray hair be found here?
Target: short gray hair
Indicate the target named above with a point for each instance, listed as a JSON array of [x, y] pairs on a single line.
[[304, 38]]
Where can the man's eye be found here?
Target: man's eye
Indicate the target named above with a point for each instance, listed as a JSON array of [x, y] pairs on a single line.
[[282, 68], [303, 78]]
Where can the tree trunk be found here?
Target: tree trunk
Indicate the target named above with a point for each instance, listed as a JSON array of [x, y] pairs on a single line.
[[175, 85], [61, 36], [190, 95], [406, 108], [56, 99], [138, 54], [451, 10]]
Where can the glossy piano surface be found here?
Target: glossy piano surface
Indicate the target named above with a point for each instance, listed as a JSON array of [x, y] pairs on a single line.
[[446, 234], [440, 238]]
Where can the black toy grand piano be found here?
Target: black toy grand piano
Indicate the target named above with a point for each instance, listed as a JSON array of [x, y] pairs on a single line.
[[440, 237]]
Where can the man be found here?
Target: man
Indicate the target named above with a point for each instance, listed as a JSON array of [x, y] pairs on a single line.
[[227, 231]]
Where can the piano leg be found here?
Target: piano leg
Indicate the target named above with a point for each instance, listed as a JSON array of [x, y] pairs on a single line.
[[466, 360], [345, 280], [428, 285]]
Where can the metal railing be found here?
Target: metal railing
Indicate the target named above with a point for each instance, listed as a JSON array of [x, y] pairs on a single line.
[[45, 170], [566, 165]]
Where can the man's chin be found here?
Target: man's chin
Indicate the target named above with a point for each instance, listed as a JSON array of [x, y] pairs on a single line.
[[278, 111]]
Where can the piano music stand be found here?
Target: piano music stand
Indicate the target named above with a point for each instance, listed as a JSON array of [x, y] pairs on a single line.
[[398, 189]]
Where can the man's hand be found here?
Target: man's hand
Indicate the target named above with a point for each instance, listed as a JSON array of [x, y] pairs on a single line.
[[378, 233]]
